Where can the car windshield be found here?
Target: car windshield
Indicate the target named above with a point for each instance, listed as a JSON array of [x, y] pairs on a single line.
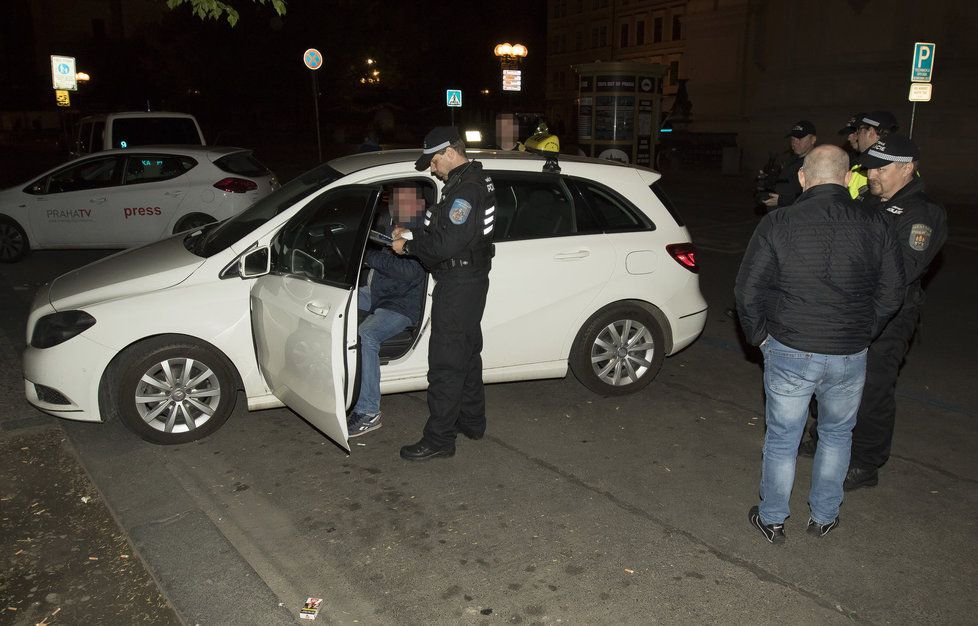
[[231, 230]]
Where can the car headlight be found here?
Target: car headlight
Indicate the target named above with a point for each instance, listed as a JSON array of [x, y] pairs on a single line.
[[57, 328]]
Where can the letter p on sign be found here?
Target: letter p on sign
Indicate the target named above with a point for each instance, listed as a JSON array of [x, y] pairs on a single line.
[[923, 62]]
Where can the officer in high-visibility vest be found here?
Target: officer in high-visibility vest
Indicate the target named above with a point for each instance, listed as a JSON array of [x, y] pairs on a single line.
[[858, 185]]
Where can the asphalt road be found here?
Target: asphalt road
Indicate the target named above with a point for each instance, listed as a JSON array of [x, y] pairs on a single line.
[[574, 509]]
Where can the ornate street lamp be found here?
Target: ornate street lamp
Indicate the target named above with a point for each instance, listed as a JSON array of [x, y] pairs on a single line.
[[510, 60]]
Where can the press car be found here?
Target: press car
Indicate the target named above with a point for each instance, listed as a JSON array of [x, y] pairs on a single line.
[[123, 198], [594, 271]]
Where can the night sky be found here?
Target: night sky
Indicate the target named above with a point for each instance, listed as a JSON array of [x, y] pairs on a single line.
[[421, 48]]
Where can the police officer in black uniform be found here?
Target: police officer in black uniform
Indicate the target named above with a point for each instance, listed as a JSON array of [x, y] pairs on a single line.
[[921, 227], [456, 246], [786, 189]]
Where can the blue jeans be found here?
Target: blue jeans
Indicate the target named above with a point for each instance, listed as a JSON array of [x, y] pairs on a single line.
[[791, 377], [379, 326]]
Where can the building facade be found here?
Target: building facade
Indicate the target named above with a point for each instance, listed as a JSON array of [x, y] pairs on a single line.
[[754, 67]]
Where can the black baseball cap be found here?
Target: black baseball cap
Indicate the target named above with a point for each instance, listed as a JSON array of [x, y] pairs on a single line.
[[437, 140], [893, 149], [879, 120], [801, 129], [852, 124]]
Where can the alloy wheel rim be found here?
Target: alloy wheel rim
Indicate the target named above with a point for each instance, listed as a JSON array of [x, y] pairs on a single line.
[[178, 395], [11, 242], [622, 353]]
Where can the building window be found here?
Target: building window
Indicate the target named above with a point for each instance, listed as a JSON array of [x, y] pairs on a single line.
[[657, 30], [677, 27], [640, 33], [579, 40], [560, 8], [604, 36], [594, 37], [673, 73], [624, 36]]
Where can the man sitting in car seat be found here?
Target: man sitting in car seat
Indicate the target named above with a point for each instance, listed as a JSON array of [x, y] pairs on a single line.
[[393, 297]]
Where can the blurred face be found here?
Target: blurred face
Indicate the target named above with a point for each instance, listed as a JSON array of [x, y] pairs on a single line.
[[506, 133], [406, 204], [866, 136], [802, 146], [887, 180]]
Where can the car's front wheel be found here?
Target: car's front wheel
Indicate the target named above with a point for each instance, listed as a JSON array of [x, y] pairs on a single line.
[[13, 241], [618, 351], [192, 221], [172, 391]]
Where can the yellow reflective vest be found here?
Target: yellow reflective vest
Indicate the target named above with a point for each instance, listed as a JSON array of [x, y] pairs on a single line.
[[858, 183]]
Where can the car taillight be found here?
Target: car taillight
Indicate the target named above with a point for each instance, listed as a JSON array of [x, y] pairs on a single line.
[[236, 185], [685, 255]]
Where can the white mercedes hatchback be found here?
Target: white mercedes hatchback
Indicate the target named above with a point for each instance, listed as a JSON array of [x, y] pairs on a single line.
[[124, 198], [593, 271]]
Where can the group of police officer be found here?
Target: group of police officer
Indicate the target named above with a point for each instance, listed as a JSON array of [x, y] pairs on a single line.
[[885, 178]]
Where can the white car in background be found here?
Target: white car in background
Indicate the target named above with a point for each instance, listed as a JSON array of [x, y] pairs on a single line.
[[594, 270], [124, 198]]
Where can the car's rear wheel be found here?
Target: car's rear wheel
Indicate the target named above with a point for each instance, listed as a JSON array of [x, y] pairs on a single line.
[[172, 391], [618, 351], [192, 221], [13, 241]]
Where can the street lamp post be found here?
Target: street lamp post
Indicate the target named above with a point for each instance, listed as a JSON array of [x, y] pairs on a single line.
[[510, 62]]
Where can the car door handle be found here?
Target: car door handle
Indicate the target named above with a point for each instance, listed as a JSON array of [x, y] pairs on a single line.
[[315, 309], [97, 200], [172, 194], [570, 256]]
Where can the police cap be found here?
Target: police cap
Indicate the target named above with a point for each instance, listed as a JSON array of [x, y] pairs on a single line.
[[436, 140], [801, 129], [893, 149], [852, 124], [880, 120]]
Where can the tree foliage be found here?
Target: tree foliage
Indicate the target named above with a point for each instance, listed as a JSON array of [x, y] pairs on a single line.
[[216, 9]]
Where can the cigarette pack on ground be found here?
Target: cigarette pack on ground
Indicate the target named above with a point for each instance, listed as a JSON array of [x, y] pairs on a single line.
[[310, 609]]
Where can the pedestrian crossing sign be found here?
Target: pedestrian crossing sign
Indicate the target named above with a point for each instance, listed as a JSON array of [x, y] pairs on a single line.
[[453, 98]]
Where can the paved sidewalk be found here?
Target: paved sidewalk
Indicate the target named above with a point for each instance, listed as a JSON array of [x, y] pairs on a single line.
[[65, 560]]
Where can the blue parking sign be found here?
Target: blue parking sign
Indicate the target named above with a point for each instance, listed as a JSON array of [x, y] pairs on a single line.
[[923, 62]]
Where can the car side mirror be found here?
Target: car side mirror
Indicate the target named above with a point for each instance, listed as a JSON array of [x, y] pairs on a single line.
[[256, 263]]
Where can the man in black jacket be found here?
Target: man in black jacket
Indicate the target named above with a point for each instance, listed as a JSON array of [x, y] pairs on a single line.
[[921, 227], [818, 281], [456, 245]]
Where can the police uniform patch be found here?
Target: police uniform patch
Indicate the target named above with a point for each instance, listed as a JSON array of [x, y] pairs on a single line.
[[460, 211], [920, 237]]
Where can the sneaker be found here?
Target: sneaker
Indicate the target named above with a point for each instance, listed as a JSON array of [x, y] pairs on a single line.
[[820, 530], [362, 423], [774, 533], [858, 477]]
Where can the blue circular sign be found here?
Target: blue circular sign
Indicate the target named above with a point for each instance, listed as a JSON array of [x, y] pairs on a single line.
[[313, 59], [63, 68]]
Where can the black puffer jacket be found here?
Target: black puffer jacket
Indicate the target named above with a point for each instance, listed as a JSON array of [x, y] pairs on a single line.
[[823, 275]]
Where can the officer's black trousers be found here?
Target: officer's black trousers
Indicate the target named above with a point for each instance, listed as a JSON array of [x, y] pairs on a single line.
[[873, 434], [456, 397]]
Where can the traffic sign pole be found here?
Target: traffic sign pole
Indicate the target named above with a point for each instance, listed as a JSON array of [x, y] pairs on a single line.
[[313, 59], [921, 71], [315, 102]]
